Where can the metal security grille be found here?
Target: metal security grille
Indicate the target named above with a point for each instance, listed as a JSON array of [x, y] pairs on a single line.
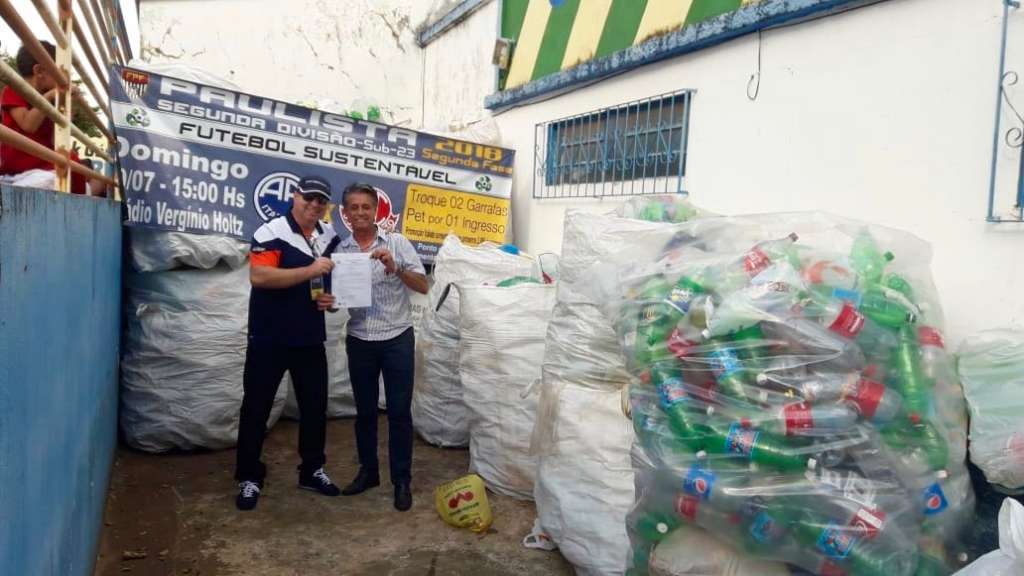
[[634, 148]]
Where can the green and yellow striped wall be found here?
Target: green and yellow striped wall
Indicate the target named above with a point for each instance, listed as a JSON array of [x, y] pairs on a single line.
[[553, 35]]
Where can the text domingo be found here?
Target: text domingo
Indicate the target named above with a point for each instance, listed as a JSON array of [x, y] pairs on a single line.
[[219, 170]]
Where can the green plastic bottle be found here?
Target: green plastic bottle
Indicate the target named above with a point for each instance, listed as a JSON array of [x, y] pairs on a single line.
[[653, 211], [913, 384], [684, 420], [866, 259], [843, 544], [900, 284], [921, 436], [662, 306], [750, 344], [885, 311], [761, 448], [730, 375], [655, 526]]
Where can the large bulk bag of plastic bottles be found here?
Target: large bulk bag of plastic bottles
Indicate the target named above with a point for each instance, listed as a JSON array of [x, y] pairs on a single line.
[[991, 366], [438, 413], [183, 358], [582, 437], [792, 394], [500, 354], [584, 483]]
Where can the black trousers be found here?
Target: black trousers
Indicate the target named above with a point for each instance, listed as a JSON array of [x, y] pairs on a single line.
[[367, 360], [265, 365]]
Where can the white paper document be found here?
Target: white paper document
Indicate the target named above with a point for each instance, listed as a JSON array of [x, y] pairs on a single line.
[[351, 279]]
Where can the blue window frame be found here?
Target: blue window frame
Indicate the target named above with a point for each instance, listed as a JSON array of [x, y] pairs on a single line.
[[634, 148]]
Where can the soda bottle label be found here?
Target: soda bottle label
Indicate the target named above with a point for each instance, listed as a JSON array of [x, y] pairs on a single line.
[[755, 261], [649, 314], [867, 395], [870, 522], [836, 542], [740, 440], [672, 392], [316, 287], [724, 362], [934, 500], [699, 481], [764, 528], [798, 417], [681, 298], [687, 506], [851, 296], [848, 323]]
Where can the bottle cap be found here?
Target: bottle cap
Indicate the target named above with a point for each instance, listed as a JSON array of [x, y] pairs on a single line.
[[706, 334], [929, 336], [812, 463], [942, 474], [762, 378], [701, 455], [662, 528]]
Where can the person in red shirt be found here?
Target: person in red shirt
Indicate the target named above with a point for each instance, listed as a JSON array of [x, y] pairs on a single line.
[[21, 168]]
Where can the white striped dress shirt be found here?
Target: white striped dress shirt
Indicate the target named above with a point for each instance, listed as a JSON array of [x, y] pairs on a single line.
[[390, 312]]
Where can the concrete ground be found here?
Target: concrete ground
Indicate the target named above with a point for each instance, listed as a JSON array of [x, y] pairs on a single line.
[[176, 513]]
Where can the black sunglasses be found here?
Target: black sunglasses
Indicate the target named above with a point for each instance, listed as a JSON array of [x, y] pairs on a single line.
[[313, 197]]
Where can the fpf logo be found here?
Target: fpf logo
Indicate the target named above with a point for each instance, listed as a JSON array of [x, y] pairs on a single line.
[[453, 502], [386, 219], [273, 194]]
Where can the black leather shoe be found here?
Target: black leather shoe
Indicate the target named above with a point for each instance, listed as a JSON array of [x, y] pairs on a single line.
[[403, 497], [363, 482]]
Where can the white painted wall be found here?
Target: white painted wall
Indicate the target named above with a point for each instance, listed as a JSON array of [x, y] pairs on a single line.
[[311, 51], [882, 114]]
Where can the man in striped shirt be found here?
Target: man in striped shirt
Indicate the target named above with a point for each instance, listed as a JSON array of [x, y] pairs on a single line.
[[380, 340]]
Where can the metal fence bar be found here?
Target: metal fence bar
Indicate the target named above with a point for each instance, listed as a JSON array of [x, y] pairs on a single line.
[[36, 149], [14, 20], [114, 15], [101, 25], [97, 39], [11, 77], [64, 31], [51, 22], [115, 37], [83, 43]]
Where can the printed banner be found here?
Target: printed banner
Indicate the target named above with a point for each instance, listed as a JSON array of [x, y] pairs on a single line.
[[196, 158]]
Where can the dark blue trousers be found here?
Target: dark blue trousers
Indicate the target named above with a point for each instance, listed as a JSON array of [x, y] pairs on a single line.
[[265, 365], [393, 358]]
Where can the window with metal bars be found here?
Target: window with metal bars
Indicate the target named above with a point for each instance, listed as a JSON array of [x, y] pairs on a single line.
[[634, 148]]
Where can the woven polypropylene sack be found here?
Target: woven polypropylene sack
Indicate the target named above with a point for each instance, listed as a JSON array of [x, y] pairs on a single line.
[[500, 354], [184, 354], [438, 413]]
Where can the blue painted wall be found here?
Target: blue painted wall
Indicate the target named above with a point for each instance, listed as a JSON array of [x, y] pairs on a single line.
[[60, 295]]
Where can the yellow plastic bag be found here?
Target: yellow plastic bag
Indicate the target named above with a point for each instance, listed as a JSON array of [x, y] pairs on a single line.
[[463, 503]]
